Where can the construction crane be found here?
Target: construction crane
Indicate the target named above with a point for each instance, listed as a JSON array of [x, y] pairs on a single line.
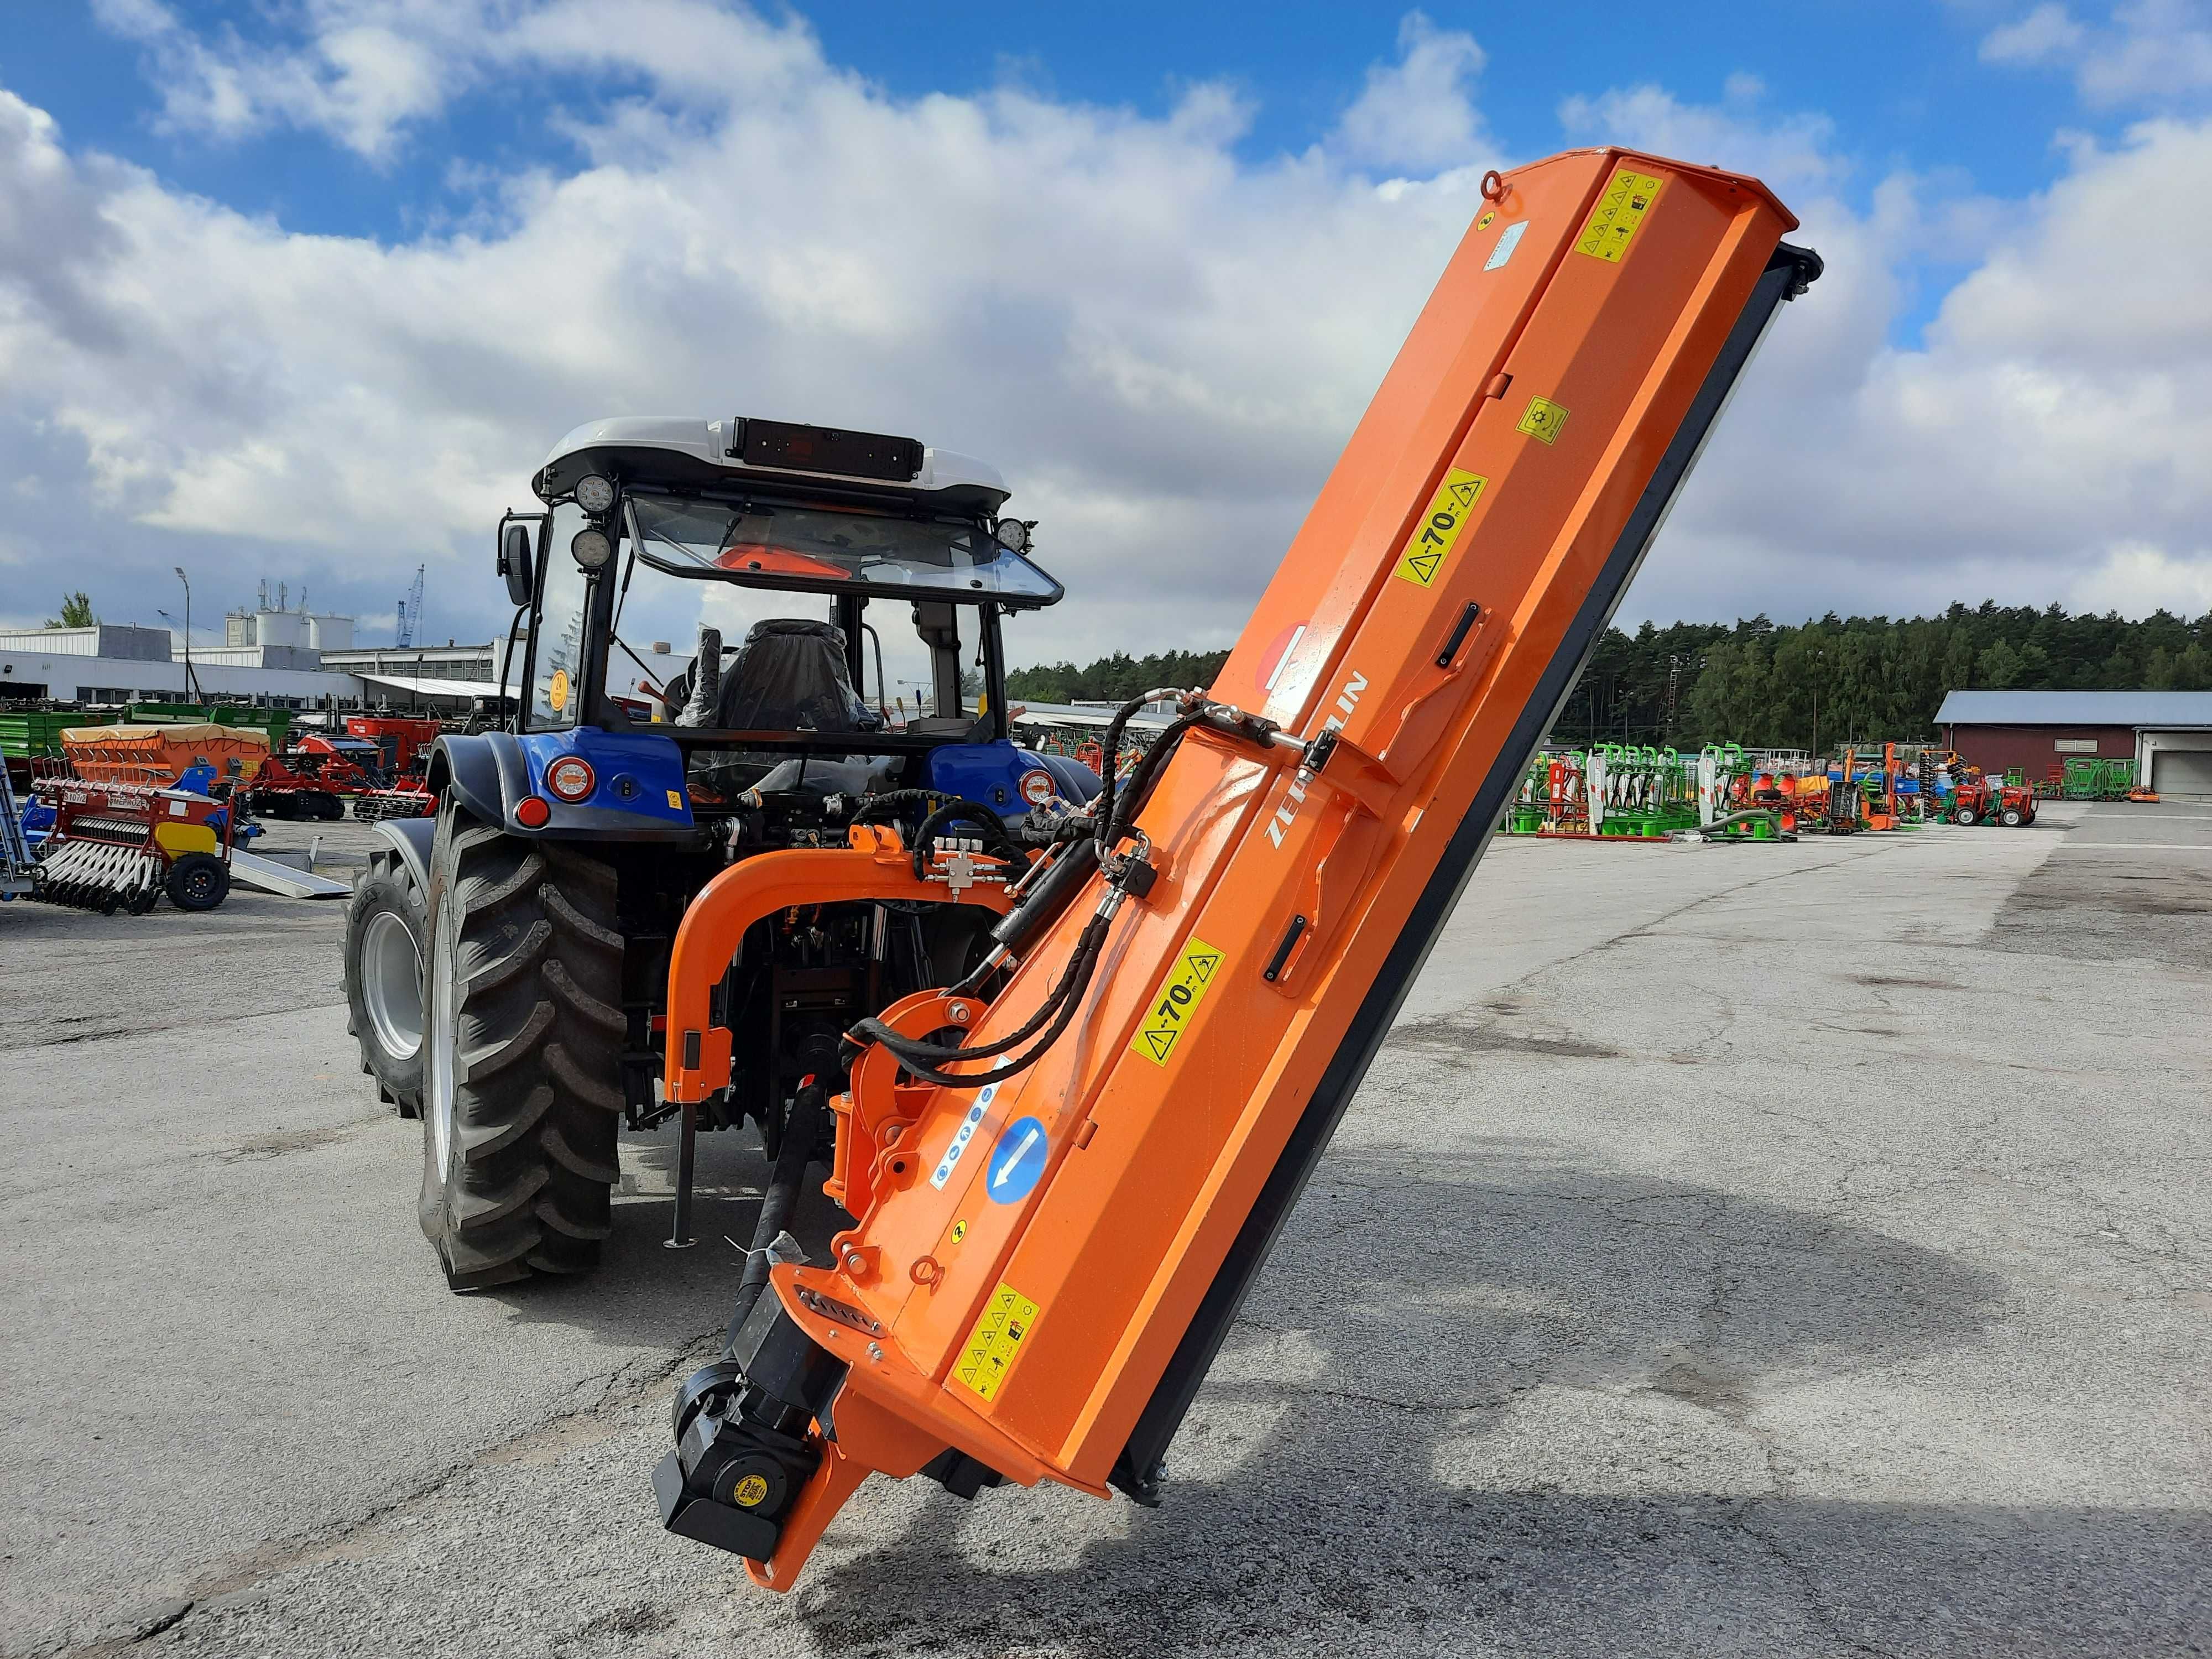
[[411, 612], [1067, 1171]]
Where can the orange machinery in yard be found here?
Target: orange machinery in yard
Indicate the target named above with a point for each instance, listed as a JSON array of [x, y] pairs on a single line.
[[1073, 1171], [157, 756]]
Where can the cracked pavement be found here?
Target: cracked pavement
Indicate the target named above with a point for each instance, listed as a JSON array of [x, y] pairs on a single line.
[[1737, 1251]]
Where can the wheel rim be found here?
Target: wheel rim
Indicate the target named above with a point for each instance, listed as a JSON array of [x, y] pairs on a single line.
[[391, 984], [438, 1071], [199, 885]]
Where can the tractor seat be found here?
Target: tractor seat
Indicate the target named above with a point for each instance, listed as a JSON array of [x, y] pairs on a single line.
[[790, 676]]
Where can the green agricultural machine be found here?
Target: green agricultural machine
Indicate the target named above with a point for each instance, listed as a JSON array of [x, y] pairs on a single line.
[[2095, 778]]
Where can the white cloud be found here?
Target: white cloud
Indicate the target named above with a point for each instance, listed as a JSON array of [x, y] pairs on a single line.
[[2043, 443], [2136, 580], [2047, 35], [1163, 343], [1795, 152], [1419, 112], [1163, 346], [2150, 52]]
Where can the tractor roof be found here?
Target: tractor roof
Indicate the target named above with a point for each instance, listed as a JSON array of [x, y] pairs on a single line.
[[685, 452]]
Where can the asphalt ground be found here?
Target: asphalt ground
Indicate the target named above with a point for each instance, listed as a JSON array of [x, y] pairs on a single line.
[[1745, 1250]]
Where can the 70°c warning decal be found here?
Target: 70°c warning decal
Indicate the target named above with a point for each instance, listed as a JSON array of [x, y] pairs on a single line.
[[1440, 526], [1185, 987]]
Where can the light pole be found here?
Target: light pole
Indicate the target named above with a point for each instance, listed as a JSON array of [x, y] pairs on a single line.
[[1819, 657], [191, 685]]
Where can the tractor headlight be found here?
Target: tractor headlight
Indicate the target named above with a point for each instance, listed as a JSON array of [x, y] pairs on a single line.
[[594, 493], [592, 549]]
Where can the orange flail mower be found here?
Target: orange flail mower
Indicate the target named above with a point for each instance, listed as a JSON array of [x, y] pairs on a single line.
[[1067, 1171]]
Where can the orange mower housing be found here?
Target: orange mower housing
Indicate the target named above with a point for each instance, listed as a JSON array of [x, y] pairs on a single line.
[[1036, 1292]]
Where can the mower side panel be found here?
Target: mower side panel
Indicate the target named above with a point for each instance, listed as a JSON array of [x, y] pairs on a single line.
[[638, 791], [1455, 570]]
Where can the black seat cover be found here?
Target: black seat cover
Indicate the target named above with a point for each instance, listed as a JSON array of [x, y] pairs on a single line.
[[790, 676]]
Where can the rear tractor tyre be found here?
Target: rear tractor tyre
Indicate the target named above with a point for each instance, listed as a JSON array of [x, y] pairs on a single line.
[[523, 1036], [387, 931]]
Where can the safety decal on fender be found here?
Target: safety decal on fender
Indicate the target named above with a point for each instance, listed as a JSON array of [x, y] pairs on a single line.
[[1198, 967], [1544, 420], [1440, 526], [1614, 221], [996, 1341]]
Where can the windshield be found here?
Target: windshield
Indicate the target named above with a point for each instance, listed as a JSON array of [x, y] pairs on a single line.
[[774, 546]]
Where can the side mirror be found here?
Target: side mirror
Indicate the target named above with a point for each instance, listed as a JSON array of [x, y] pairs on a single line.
[[514, 562]]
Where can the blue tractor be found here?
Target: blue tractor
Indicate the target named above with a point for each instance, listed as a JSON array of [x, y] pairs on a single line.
[[507, 958]]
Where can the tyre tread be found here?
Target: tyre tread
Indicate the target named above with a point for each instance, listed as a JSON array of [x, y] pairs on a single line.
[[536, 1110]]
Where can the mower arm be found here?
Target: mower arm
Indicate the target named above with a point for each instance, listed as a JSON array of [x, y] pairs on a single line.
[[1039, 1293]]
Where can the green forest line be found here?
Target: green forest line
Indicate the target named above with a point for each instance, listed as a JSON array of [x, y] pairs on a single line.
[[1772, 686]]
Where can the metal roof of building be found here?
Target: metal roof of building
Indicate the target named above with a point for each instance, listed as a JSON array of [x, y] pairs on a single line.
[[2076, 708], [420, 686]]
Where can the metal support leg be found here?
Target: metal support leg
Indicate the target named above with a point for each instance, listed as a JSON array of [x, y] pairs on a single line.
[[686, 1151]]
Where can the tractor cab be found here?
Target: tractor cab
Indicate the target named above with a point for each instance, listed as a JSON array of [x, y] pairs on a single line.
[[848, 593]]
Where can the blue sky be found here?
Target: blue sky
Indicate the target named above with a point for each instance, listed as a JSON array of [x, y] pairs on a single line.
[[267, 254]]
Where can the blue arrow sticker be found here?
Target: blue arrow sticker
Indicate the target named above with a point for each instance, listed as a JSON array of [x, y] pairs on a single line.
[[1017, 1162]]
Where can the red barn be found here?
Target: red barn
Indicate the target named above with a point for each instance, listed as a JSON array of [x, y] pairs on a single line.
[[2168, 734]]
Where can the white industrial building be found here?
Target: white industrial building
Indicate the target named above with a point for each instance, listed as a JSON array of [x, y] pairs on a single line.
[[293, 658], [114, 663]]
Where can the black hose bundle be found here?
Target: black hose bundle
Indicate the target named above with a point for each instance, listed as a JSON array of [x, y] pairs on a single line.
[[1111, 820], [923, 1060], [955, 811], [1103, 808]]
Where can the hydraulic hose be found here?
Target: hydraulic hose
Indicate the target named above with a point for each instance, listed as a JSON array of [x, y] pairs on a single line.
[[1109, 760], [779, 1202], [1058, 1007], [954, 810], [1141, 776]]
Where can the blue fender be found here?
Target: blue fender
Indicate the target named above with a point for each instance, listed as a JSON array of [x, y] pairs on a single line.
[[637, 792], [992, 773]]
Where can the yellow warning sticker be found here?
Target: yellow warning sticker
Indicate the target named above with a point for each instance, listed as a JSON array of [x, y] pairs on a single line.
[[1196, 969], [1440, 526], [1614, 221], [556, 691], [996, 1342], [750, 1491], [675, 801], [1487, 220], [1544, 421], [959, 1232]]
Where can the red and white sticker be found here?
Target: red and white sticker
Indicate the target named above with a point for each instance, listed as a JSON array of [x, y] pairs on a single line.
[[1277, 657], [1037, 788]]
